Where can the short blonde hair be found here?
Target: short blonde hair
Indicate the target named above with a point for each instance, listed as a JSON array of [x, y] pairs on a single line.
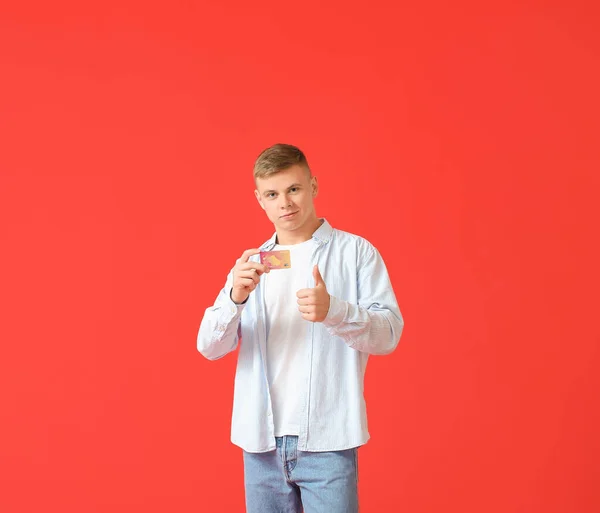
[[279, 157]]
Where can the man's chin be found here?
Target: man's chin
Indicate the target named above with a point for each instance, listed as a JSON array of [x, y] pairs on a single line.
[[287, 225]]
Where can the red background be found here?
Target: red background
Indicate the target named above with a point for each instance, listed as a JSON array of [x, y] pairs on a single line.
[[461, 138]]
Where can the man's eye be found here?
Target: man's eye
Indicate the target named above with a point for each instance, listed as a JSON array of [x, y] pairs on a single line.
[[293, 189], [270, 195]]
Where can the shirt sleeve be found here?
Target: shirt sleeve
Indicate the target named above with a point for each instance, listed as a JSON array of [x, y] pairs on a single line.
[[375, 324], [220, 328]]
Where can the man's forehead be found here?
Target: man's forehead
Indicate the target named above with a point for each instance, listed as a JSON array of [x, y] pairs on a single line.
[[282, 181]]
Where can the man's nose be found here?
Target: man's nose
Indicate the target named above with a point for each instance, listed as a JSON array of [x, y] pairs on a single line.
[[284, 201]]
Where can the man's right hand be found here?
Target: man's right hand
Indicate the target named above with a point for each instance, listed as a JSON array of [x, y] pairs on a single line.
[[246, 276]]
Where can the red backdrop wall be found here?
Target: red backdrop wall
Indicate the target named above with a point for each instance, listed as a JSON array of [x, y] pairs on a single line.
[[461, 138]]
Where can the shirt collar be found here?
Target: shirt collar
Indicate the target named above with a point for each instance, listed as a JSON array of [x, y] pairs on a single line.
[[322, 235]]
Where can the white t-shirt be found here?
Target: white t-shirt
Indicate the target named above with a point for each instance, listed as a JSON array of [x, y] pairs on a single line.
[[286, 337]]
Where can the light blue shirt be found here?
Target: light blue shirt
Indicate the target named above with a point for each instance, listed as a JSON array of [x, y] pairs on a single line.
[[363, 319]]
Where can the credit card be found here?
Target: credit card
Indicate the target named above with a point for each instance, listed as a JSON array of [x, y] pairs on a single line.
[[276, 259]]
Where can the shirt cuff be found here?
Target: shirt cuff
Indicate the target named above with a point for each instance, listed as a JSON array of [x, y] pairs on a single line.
[[337, 311], [235, 308]]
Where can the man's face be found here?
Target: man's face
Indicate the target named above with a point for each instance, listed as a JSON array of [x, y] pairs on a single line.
[[287, 198]]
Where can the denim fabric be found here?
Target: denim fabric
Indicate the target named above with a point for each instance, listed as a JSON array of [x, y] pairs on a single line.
[[286, 480]]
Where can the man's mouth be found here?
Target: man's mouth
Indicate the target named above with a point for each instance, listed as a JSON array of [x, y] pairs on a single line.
[[289, 215]]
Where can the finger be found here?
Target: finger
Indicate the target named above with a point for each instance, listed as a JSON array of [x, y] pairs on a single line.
[[303, 293], [306, 301], [319, 282], [246, 282], [248, 253], [248, 275], [306, 309], [260, 268], [252, 275]]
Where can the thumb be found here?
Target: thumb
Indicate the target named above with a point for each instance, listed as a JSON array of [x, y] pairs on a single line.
[[317, 276]]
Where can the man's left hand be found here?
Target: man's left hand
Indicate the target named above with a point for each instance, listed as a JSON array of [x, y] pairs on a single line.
[[314, 303]]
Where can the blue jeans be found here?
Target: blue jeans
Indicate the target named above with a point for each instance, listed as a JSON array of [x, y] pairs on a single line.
[[287, 480]]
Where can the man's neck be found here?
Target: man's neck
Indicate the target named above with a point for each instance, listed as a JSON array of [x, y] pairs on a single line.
[[289, 238]]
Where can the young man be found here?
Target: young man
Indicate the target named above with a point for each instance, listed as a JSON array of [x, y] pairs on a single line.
[[306, 330]]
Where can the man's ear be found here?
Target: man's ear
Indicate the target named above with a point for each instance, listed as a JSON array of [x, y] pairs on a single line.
[[315, 186], [259, 199]]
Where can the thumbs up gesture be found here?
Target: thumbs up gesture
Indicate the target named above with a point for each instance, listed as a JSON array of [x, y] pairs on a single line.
[[314, 303]]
